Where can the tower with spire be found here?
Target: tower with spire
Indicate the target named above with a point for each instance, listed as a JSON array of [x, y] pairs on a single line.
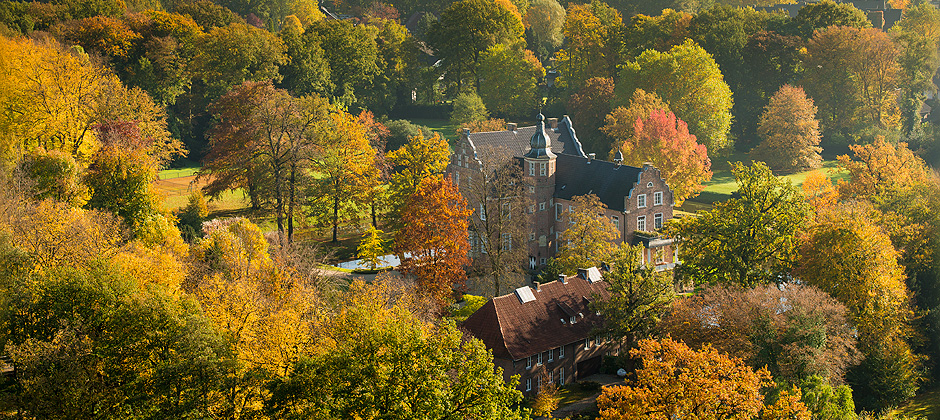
[[540, 168]]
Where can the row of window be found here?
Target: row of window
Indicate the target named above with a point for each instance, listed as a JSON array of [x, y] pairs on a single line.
[[550, 377], [543, 168], [540, 356], [657, 199], [641, 222]]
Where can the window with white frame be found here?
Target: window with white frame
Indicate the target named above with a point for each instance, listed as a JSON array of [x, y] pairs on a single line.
[[559, 209], [641, 223], [551, 355], [616, 220], [561, 352], [658, 198], [531, 168], [543, 169], [542, 206], [658, 221], [587, 343], [507, 242], [482, 212], [539, 362], [561, 376], [531, 236], [641, 201], [542, 261], [528, 384], [528, 362], [456, 178]]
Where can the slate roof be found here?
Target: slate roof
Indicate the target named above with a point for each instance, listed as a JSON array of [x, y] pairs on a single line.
[[576, 176], [564, 140], [514, 330]]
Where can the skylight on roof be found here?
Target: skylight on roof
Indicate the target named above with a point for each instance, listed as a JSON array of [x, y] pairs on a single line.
[[594, 275], [525, 294]]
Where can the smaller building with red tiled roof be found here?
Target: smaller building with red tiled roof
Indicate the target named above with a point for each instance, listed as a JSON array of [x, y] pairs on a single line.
[[547, 333]]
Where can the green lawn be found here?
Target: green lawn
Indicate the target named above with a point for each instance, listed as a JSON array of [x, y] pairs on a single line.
[[926, 406], [722, 184], [444, 127]]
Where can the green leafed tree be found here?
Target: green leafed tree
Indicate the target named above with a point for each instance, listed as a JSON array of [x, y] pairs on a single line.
[[590, 236], [502, 67], [468, 108], [232, 54], [746, 240], [689, 81], [639, 296]]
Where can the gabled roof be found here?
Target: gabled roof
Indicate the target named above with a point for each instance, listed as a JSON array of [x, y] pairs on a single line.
[[514, 330], [576, 176], [515, 143]]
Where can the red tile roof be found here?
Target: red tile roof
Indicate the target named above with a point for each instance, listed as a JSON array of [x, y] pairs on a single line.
[[514, 330]]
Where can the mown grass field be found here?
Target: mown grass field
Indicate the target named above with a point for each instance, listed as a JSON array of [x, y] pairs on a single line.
[[174, 185], [722, 184], [924, 406]]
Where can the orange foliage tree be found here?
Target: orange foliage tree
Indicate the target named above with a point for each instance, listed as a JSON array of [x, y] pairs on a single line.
[[678, 382], [435, 235]]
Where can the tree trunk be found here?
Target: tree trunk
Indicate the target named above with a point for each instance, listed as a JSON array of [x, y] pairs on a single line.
[[374, 222], [335, 217], [290, 203]]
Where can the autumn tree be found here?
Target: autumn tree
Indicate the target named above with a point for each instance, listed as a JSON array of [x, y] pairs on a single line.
[[655, 32], [590, 236], [396, 364], [372, 247], [918, 36], [591, 48], [689, 81], [676, 381], [664, 140], [502, 66], [790, 132], [587, 107], [852, 75], [265, 310], [796, 331], [418, 159], [501, 226], [227, 56], [344, 162], [746, 240], [465, 31], [852, 259], [353, 57], [639, 295], [546, 20], [434, 235], [264, 133], [640, 106]]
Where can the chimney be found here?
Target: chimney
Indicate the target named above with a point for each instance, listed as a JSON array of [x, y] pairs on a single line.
[[538, 287], [591, 156], [511, 126], [583, 273], [553, 122], [563, 279]]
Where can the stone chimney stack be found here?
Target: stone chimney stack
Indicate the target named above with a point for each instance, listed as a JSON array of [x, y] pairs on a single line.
[[553, 123], [511, 126], [538, 287], [563, 279], [591, 156]]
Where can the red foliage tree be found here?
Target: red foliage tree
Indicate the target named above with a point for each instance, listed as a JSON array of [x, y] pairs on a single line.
[[435, 235]]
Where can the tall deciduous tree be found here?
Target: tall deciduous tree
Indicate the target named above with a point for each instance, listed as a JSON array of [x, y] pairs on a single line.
[[689, 81], [796, 331], [590, 236], [790, 132], [546, 20], [828, 13], [639, 295], [501, 67], [664, 140], [587, 107], [353, 57], [344, 162], [435, 237], [852, 259], [746, 240], [678, 382], [852, 75], [418, 159], [468, 28], [918, 36], [502, 235], [236, 53], [592, 49], [393, 364]]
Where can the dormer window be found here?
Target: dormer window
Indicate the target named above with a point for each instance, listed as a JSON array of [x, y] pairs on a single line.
[[573, 320]]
